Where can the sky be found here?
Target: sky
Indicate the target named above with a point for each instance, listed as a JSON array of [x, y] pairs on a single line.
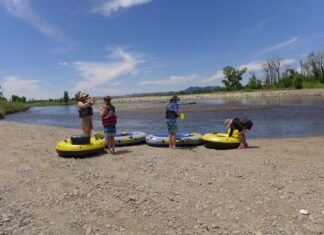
[[119, 47]]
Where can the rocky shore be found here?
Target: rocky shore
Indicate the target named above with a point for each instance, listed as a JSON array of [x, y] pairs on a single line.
[[145, 190], [231, 95]]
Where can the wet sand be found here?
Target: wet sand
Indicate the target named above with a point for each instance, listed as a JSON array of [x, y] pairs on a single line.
[[145, 190]]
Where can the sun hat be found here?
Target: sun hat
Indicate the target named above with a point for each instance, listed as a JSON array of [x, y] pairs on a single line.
[[228, 123], [83, 94], [175, 97]]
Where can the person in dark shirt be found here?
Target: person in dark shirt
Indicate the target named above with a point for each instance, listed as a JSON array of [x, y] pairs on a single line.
[[242, 125], [85, 113]]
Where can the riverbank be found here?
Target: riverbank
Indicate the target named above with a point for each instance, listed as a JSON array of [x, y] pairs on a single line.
[[12, 107], [145, 190], [16, 107], [229, 95]]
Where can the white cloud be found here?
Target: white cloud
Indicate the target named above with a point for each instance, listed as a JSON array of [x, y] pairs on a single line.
[[217, 76], [253, 66], [23, 10], [13, 85], [111, 6], [173, 80], [280, 45], [97, 73], [287, 62]]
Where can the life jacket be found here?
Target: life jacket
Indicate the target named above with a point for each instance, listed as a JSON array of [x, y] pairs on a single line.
[[170, 113], [88, 111], [109, 121]]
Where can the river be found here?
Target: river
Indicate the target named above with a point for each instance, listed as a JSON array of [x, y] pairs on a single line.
[[272, 117]]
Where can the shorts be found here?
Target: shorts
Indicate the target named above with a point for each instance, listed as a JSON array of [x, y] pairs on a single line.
[[172, 124], [86, 123], [110, 131]]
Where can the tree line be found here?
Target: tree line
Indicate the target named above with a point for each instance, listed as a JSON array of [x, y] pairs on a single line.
[[22, 99], [309, 75]]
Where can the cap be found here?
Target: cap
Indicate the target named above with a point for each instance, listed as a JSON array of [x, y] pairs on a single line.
[[175, 98]]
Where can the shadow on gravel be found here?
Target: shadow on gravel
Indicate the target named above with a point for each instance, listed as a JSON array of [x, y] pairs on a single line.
[[123, 151], [253, 147]]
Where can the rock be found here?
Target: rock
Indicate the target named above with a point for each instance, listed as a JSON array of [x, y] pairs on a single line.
[[214, 226], [88, 231], [6, 218], [214, 212]]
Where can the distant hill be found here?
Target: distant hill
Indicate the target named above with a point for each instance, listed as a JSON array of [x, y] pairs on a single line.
[[189, 90], [198, 89]]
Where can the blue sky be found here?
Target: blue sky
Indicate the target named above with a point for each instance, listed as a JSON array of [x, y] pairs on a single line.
[[117, 47]]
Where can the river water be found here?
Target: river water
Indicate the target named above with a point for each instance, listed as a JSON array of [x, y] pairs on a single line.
[[272, 117]]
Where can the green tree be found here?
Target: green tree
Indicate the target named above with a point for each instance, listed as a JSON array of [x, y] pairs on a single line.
[[77, 96], [233, 78], [1, 95], [254, 83], [66, 97]]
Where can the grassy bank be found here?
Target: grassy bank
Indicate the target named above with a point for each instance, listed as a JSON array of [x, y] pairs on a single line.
[[12, 107], [15, 107]]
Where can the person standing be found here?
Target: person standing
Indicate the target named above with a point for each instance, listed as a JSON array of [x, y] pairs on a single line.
[[85, 113], [242, 125], [109, 121], [171, 115]]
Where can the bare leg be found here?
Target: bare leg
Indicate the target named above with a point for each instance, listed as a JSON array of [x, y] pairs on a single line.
[[112, 144], [170, 139], [174, 141], [87, 132]]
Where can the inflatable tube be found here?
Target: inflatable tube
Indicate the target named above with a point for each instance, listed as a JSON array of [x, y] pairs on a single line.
[[183, 140], [220, 141], [126, 138], [65, 148]]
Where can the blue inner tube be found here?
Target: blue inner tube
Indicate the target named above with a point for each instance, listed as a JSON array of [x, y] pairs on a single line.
[[177, 135]]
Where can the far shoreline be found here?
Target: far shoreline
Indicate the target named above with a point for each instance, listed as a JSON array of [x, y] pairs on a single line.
[[228, 95]]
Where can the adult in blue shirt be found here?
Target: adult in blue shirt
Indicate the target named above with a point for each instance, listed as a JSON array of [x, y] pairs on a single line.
[[171, 115]]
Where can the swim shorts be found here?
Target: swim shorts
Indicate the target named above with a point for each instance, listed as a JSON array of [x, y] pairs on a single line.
[[172, 124], [110, 131]]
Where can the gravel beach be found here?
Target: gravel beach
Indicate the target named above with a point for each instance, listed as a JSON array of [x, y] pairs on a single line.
[[145, 190]]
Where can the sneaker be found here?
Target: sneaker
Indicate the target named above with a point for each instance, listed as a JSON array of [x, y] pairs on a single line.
[[246, 144], [242, 146]]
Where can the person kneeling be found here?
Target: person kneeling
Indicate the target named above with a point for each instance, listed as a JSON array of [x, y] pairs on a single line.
[[242, 125]]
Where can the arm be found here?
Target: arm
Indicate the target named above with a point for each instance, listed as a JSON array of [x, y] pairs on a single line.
[[103, 112], [86, 104], [175, 108]]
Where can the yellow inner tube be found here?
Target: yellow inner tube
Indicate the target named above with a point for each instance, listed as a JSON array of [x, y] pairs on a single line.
[[65, 147], [220, 141], [221, 138]]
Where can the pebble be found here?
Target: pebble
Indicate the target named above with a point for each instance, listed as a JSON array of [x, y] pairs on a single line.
[[304, 212], [214, 226], [88, 231]]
